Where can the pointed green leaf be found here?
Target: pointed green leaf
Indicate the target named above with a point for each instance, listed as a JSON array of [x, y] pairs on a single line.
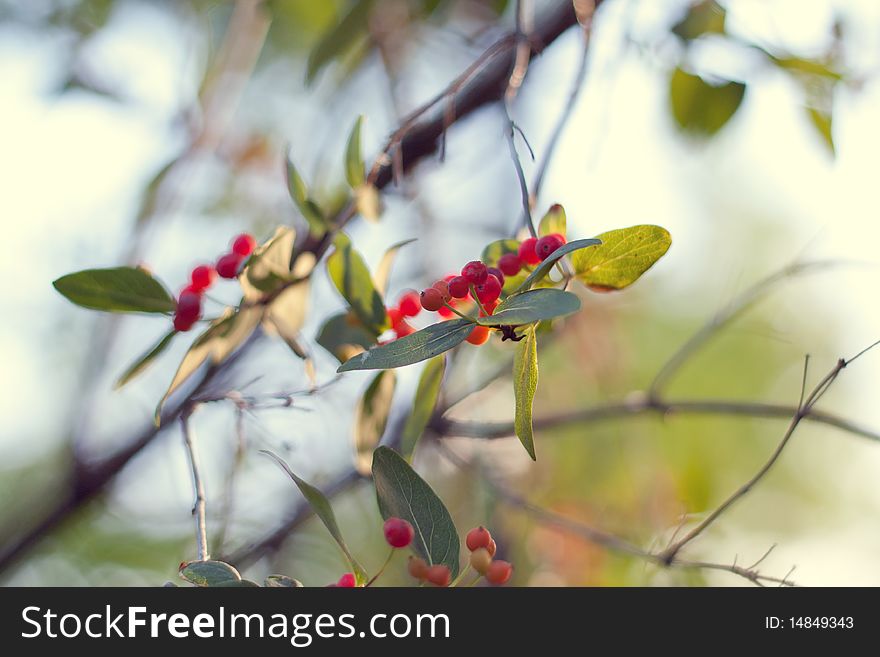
[[553, 221], [209, 573], [321, 506], [343, 336], [309, 209], [544, 268], [821, 121], [423, 405], [625, 254], [118, 289], [402, 493], [144, 361], [525, 383], [383, 271], [700, 108], [350, 275], [354, 161], [340, 38], [421, 345], [371, 418], [532, 306]]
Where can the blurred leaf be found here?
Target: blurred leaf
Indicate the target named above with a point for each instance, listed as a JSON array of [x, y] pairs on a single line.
[[553, 221], [532, 306], [321, 506], [494, 250], [822, 122], [309, 209], [342, 334], [706, 17], [268, 268], [282, 581], [144, 361], [368, 202], [383, 271], [119, 289], [354, 161], [808, 67], [237, 584], [423, 404], [625, 254], [350, 275], [421, 345], [402, 493], [209, 573], [340, 38], [700, 108], [544, 268], [525, 383], [371, 418]]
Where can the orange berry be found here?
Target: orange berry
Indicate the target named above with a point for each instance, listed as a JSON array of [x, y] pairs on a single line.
[[417, 568], [478, 537], [479, 335], [499, 572], [439, 575]]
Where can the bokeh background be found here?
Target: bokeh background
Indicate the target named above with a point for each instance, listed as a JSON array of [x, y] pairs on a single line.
[[152, 132]]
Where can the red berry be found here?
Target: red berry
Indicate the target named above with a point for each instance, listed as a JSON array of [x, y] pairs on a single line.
[[202, 277], [497, 273], [509, 264], [431, 299], [443, 288], [439, 575], [478, 537], [417, 567], [398, 532], [499, 572], [479, 335], [475, 272], [183, 324], [409, 303], [488, 291], [347, 581], [490, 307], [395, 317], [229, 264], [459, 287], [527, 251], [492, 548], [403, 329], [481, 560], [548, 244], [189, 304], [445, 312], [244, 245]]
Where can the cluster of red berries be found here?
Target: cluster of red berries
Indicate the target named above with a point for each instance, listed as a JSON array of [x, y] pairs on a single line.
[[482, 546], [189, 302]]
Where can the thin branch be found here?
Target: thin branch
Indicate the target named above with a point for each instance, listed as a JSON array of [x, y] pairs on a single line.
[[200, 504]]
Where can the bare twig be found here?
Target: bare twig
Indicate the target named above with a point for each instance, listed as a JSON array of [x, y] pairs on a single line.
[[200, 504]]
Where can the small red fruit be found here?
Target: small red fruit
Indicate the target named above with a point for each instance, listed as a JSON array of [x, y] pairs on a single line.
[[403, 329], [527, 251], [409, 303], [475, 272], [189, 304], [417, 568], [459, 287], [492, 548], [548, 244], [499, 572], [244, 245], [202, 277], [510, 264], [497, 273], [479, 335], [481, 560], [183, 324], [439, 575], [490, 307], [431, 299], [395, 317], [398, 532], [443, 288], [488, 291], [478, 537], [445, 312], [347, 581], [229, 264]]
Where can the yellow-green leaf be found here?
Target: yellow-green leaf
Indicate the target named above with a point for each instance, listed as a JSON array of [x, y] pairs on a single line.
[[822, 122], [553, 221], [625, 254], [525, 383], [118, 289], [350, 275], [309, 209], [423, 404], [383, 271], [340, 38], [700, 108], [354, 161], [371, 418]]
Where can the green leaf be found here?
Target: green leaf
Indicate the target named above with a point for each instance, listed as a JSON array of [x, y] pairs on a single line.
[[371, 418], [237, 584], [350, 275], [119, 289], [805, 67], [354, 162], [402, 493], [525, 382], [625, 254], [421, 345], [383, 271], [532, 306], [544, 268], [269, 267], [553, 221], [321, 506], [706, 17], [309, 209], [282, 581], [340, 38], [494, 250], [423, 404], [702, 109], [144, 361], [822, 122], [344, 336], [208, 573]]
